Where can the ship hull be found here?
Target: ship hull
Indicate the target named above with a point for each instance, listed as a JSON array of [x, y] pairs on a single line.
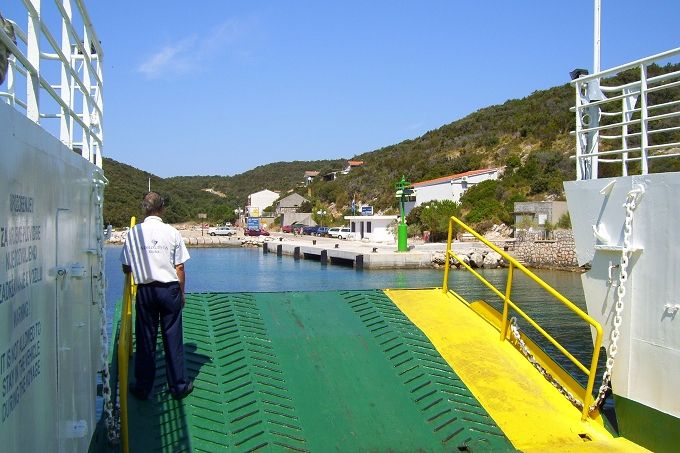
[[50, 339], [647, 360]]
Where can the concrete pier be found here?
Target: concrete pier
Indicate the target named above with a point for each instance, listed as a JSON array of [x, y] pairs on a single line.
[[353, 253]]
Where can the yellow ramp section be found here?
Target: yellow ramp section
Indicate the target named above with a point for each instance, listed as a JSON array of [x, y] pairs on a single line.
[[529, 410]]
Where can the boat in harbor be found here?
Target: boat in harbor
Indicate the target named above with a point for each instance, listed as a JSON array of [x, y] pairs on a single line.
[[363, 370]]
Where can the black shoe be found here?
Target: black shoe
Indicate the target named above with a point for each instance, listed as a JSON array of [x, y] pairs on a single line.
[[185, 393], [137, 393]]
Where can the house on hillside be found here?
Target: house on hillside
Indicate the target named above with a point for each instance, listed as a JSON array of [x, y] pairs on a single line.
[[352, 164], [330, 176], [259, 200], [291, 203], [535, 214], [309, 177], [452, 187], [305, 218]]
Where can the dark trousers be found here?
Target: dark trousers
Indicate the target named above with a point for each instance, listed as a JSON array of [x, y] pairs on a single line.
[[159, 303]]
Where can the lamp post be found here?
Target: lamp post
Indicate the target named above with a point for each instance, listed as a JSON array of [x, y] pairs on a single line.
[[403, 190], [322, 214], [202, 216], [238, 212]]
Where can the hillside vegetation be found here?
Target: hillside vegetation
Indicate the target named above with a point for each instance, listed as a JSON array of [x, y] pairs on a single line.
[[529, 137], [187, 196]]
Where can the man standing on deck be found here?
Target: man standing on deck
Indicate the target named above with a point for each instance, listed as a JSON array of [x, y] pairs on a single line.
[[155, 254]]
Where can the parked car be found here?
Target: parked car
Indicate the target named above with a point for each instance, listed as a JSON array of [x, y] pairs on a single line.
[[322, 231], [311, 230], [222, 231], [340, 232], [291, 227], [259, 232], [345, 233]]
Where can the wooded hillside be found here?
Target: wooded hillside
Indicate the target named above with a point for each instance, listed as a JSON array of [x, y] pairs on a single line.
[[529, 136]]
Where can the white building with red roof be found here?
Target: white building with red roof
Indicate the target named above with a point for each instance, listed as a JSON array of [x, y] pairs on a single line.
[[452, 187]]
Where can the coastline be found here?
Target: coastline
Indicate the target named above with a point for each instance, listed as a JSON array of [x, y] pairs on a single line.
[[377, 255]]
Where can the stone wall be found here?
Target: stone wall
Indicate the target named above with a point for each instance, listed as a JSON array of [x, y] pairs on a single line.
[[558, 253]]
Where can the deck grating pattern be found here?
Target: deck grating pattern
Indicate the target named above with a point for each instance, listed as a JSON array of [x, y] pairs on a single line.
[[253, 408], [249, 364], [453, 413]]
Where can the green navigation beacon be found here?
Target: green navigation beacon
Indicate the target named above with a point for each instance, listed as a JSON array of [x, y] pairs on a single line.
[[403, 190]]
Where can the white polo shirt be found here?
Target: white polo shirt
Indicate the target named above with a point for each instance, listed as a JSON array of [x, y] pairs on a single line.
[[153, 249]]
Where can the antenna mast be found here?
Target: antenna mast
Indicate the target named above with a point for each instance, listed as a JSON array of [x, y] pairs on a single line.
[[596, 37]]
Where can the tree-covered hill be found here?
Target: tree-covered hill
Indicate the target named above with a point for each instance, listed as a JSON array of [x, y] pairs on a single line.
[[187, 195], [529, 136], [278, 176]]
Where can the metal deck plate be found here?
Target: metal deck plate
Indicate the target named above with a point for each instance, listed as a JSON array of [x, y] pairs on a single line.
[[315, 371]]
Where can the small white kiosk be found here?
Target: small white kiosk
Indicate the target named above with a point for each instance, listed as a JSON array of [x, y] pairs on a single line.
[[374, 228]]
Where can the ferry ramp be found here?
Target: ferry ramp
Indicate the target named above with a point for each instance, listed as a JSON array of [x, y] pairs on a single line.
[[371, 370]]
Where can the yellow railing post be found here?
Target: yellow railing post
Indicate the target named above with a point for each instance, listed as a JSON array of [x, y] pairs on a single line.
[[507, 304], [508, 291], [124, 352], [447, 255]]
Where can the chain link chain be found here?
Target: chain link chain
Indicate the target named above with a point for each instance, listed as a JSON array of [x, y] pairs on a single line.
[[111, 413], [514, 328], [631, 204]]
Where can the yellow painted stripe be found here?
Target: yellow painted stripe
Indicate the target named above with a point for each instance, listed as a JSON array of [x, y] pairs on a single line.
[[529, 410]]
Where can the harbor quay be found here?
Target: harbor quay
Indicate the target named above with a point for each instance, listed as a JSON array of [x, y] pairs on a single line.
[[554, 254], [354, 253], [357, 254], [360, 255]]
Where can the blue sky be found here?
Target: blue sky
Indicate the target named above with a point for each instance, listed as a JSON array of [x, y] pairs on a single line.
[[219, 87]]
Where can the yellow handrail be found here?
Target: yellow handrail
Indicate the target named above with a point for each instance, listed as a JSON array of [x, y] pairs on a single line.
[[125, 352], [513, 263]]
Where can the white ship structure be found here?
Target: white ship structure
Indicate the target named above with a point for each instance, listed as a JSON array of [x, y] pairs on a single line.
[[52, 333]]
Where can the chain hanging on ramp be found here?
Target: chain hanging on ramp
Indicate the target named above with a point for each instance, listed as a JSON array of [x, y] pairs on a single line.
[[111, 414], [514, 328], [631, 204]]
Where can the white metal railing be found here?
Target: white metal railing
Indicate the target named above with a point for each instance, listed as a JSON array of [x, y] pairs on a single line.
[[73, 92], [632, 123]]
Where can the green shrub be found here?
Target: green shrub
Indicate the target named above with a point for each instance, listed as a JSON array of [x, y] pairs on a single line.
[[564, 221], [487, 210], [435, 218], [413, 230]]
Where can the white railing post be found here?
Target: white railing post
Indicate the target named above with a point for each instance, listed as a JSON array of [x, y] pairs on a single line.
[[579, 133], [628, 105], [593, 146], [87, 119], [644, 114], [11, 82], [33, 56], [99, 102], [66, 91]]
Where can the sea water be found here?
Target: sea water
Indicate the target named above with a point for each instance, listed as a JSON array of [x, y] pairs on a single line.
[[248, 269]]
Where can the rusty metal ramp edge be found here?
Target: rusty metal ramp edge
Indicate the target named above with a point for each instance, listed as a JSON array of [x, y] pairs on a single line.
[[310, 371]]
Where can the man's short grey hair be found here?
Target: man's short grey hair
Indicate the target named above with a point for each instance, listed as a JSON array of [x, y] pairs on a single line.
[[152, 203]]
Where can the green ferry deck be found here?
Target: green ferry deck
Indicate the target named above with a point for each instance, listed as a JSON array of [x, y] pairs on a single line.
[[351, 371], [370, 370]]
